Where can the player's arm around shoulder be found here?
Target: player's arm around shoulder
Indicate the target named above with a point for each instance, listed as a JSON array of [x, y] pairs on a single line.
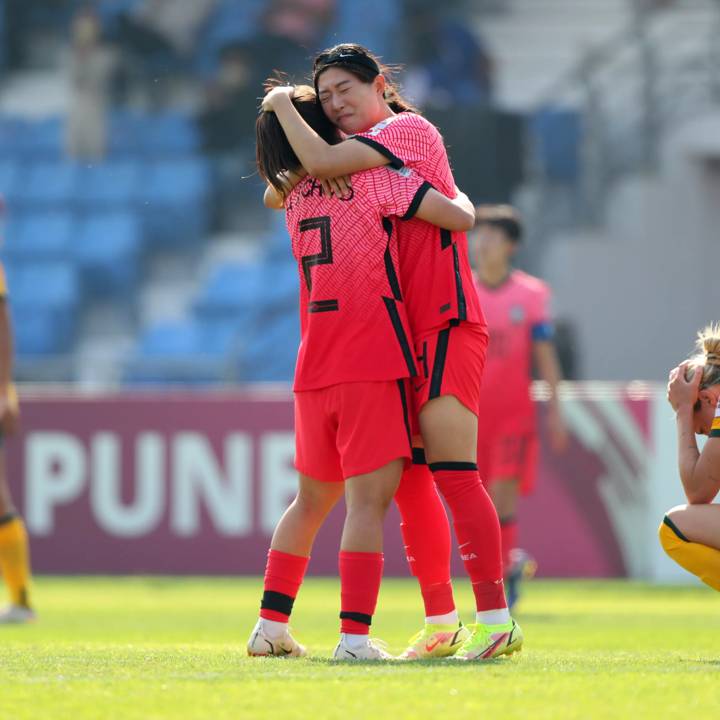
[[274, 198], [320, 159], [457, 214]]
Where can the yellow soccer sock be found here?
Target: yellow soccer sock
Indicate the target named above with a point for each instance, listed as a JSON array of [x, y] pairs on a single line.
[[15, 559], [700, 560]]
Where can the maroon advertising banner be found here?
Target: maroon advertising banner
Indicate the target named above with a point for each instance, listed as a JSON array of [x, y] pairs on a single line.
[[193, 483]]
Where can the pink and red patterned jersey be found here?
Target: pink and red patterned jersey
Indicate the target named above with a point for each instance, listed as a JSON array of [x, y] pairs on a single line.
[[354, 325], [517, 315], [434, 266]]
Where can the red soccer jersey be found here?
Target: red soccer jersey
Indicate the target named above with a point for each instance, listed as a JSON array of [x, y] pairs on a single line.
[[353, 321], [434, 265], [517, 315]]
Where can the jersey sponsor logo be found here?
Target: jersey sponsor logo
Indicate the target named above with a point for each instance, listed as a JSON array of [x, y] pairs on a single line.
[[375, 130], [404, 171], [517, 314]]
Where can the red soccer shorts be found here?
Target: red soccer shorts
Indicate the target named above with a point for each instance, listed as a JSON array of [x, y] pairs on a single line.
[[508, 450], [351, 429], [450, 362]]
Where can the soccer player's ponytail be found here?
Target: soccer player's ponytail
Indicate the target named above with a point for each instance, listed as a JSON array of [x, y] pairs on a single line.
[[708, 356], [274, 155]]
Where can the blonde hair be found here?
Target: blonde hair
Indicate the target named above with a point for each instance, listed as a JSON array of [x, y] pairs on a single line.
[[707, 359]]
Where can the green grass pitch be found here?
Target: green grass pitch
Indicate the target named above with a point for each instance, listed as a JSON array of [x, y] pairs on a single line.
[[150, 648]]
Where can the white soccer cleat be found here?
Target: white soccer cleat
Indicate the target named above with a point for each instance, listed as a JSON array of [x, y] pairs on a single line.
[[17, 615], [371, 649], [262, 645]]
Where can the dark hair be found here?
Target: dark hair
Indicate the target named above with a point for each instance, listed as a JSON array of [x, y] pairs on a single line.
[[504, 217], [365, 66], [273, 152]]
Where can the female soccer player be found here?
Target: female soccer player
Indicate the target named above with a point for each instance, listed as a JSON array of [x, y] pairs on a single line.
[[351, 419], [690, 534], [450, 342], [14, 555], [516, 308]]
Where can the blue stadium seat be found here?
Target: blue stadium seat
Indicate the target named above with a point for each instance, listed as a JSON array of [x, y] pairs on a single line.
[[174, 202], [169, 134], [42, 139], [47, 184], [8, 180], [182, 352], [280, 287], [271, 356], [557, 135], [233, 290], [108, 252], [45, 297], [109, 184], [42, 236], [10, 131], [125, 134]]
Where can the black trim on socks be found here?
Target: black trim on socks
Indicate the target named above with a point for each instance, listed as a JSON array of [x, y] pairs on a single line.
[[279, 602], [457, 466], [357, 617]]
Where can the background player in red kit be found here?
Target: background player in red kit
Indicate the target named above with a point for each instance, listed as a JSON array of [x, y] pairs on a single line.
[[521, 331], [351, 404], [450, 342]]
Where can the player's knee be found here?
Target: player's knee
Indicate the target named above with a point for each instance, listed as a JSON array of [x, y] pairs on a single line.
[[371, 506], [313, 504]]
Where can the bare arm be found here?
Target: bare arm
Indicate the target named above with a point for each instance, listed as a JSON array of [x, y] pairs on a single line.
[[317, 157], [8, 408], [273, 198], [548, 368], [457, 214], [699, 472]]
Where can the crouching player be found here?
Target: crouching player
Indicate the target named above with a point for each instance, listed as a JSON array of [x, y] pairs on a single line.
[[690, 534], [14, 556], [516, 309]]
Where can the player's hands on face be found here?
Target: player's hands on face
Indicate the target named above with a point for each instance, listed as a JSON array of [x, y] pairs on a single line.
[[682, 392], [559, 437], [340, 186], [275, 93]]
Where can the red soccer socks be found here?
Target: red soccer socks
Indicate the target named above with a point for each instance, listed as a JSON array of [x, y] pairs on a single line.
[[360, 577], [283, 576]]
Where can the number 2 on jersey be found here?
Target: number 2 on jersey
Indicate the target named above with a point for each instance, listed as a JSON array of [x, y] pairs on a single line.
[[324, 257]]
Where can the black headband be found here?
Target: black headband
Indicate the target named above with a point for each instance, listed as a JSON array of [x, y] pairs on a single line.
[[347, 59]]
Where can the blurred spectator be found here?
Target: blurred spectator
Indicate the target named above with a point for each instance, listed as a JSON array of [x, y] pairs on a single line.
[[227, 125], [450, 65], [228, 119], [91, 67], [291, 33], [165, 26], [14, 35]]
